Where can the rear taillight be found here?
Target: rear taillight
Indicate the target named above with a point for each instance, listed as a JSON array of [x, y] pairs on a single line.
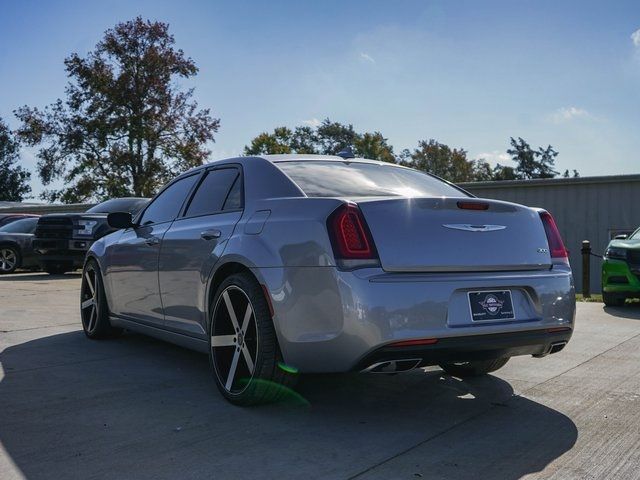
[[556, 245], [350, 237]]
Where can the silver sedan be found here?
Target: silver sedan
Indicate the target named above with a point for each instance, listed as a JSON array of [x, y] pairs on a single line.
[[280, 265]]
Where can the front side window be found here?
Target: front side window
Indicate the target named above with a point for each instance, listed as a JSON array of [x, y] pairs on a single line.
[[166, 206], [214, 191], [359, 179]]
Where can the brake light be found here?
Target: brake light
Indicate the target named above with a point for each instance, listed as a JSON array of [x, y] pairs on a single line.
[[349, 234], [473, 206], [556, 245]]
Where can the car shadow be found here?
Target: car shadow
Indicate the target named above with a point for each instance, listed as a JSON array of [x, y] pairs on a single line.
[[629, 310], [135, 407], [38, 276]]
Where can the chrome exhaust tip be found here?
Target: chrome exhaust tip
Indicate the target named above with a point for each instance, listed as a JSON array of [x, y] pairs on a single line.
[[557, 346], [393, 366], [554, 348]]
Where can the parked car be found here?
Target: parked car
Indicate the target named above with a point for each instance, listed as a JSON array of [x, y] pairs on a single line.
[[6, 218], [63, 239], [283, 264], [621, 270], [16, 250]]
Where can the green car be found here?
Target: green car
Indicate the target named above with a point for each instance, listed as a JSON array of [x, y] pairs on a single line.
[[621, 270]]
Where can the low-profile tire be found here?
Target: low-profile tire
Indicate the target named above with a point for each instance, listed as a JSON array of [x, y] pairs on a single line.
[[244, 354], [474, 368], [9, 259], [612, 300], [57, 268], [94, 311]]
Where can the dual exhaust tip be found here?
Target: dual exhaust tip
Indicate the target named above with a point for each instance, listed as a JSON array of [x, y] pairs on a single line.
[[407, 364]]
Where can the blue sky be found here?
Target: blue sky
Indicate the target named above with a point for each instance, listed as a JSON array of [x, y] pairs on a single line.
[[467, 73]]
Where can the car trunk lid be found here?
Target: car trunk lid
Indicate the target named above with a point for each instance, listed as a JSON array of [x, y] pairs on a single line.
[[455, 235]]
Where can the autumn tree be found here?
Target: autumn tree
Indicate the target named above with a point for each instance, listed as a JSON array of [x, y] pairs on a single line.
[[328, 138], [449, 163], [14, 180], [125, 127]]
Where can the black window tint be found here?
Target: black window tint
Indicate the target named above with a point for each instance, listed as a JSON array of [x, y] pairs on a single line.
[[212, 192], [356, 179], [166, 206]]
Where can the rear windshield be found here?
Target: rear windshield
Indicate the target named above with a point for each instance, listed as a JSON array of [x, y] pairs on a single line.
[[354, 179], [131, 205]]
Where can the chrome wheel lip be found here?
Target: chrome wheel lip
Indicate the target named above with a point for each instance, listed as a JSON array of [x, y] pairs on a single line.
[[8, 259], [239, 336], [89, 300]]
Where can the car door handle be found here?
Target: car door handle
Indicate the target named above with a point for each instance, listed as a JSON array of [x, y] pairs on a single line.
[[151, 241], [210, 234]]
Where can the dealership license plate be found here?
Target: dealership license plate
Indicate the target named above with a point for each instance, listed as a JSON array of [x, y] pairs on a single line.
[[491, 305]]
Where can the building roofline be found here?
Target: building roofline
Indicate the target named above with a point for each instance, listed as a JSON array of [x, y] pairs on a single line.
[[552, 181]]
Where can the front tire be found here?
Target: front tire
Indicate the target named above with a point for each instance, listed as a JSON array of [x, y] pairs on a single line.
[[474, 368], [94, 311], [9, 259], [612, 300], [243, 350]]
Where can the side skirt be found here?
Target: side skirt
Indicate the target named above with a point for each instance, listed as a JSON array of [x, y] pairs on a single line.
[[176, 338]]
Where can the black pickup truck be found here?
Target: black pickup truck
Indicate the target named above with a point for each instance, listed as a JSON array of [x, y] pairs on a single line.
[[62, 239]]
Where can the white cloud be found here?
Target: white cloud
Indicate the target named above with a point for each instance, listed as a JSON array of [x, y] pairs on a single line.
[[366, 57], [494, 156], [566, 114], [313, 122], [635, 38]]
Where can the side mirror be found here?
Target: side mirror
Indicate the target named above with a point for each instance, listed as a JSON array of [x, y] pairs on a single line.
[[120, 220], [622, 236]]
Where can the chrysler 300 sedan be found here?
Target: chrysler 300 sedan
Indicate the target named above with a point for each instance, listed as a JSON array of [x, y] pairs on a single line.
[[277, 265]]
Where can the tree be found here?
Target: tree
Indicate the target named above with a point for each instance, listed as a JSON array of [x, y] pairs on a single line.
[[328, 138], [441, 160], [14, 179], [125, 127], [575, 174], [532, 163]]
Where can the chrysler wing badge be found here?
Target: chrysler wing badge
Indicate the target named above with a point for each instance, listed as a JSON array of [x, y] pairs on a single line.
[[474, 228]]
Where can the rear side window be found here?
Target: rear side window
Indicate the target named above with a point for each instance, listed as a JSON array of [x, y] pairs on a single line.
[[216, 192], [167, 204], [354, 179]]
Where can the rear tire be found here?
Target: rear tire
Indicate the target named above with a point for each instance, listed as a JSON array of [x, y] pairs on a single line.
[[244, 354], [94, 311], [57, 268], [9, 259], [474, 368], [612, 300]]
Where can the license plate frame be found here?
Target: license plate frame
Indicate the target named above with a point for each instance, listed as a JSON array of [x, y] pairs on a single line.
[[491, 305]]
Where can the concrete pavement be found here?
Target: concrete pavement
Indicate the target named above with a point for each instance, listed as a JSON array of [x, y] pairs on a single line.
[[139, 408]]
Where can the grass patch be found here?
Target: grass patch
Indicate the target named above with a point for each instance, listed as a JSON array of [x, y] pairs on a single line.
[[595, 297]]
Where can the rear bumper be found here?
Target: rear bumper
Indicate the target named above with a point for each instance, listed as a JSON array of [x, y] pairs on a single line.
[[330, 321], [473, 347]]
